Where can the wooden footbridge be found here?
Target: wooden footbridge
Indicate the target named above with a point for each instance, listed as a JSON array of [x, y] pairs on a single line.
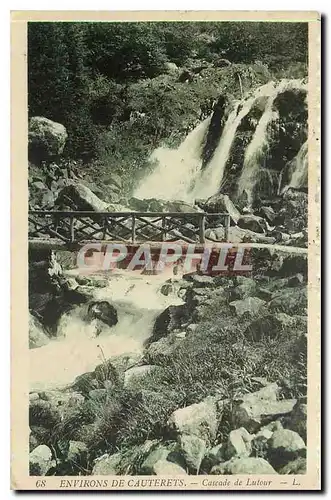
[[73, 229]]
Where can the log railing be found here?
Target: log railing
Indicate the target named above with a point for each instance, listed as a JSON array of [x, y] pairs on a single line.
[[134, 227]]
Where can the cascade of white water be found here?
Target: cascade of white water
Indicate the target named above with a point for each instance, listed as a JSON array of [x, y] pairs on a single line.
[[176, 168], [258, 147], [298, 171], [78, 350]]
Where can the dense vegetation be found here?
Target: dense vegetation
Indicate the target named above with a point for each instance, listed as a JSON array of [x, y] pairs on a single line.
[[120, 88]]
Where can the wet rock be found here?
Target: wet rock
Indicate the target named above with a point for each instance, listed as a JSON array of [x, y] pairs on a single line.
[[136, 373], [165, 468], [250, 305], [40, 460], [37, 334], [298, 466], [103, 311], [107, 465], [238, 444], [199, 419], [46, 138], [244, 465], [285, 446], [172, 318], [221, 203], [260, 407], [253, 223], [289, 300], [193, 449]]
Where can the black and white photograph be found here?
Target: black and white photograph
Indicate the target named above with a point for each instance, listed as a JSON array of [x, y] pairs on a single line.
[[169, 195]]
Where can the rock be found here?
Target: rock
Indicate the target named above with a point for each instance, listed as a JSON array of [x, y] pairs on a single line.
[[82, 198], [294, 264], [167, 289], [93, 281], [160, 453], [104, 311], [165, 468], [221, 203], [297, 420], [192, 327], [264, 294], [193, 449], [252, 222], [250, 305], [136, 373], [298, 466], [40, 460], [245, 288], [77, 452], [199, 419], [43, 413], [261, 407], [212, 457], [244, 465], [273, 326], [238, 444], [107, 465], [284, 446], [171, 67], [46, 138], [289, 300], [295, 280], [267, 213], [169, 320], [37, 335], [162, 350]]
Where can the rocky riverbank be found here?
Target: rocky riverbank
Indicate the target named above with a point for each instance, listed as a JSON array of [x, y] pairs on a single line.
[[220, 387]]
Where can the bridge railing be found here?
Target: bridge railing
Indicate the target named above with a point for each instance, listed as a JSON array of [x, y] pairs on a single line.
[[134, 227]]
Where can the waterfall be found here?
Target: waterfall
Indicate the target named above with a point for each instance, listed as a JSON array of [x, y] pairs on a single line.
[[78, 350], [295, 174], [176, 168], [179, 175], [256, 151]]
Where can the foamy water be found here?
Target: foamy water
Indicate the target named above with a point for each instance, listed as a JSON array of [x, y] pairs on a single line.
[[78, 350]]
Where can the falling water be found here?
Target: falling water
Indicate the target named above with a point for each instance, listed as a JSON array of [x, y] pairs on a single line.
[[296, 173], [258, 147], [176, 168], [179, 174], [78, 350]]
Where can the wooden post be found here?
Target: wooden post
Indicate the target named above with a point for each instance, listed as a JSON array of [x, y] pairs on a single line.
[[133, 228], [164, 227], [227, 226], [202, 227], [105, 226], [72, 229]]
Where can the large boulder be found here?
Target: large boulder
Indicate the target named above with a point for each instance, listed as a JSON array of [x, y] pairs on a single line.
[[170, 319], [165, 468], [199, 420], [80, 197], [159, 453], [46, 138], [40, 460], [37, 335], [244, 465], [221, 203], [253, 223], [261, 407], [193, 450], [285, 446], [103, 311]]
